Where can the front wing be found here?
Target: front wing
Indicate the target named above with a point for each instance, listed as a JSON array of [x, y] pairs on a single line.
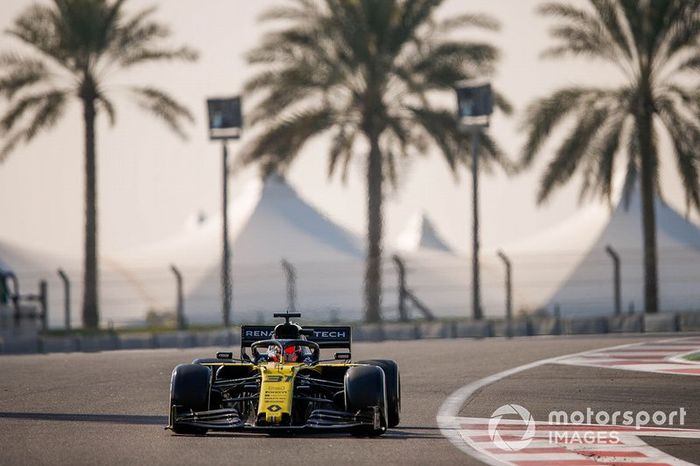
[[320, 420]]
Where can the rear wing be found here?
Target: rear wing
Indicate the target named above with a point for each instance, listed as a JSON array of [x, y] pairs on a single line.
[[326, 336]]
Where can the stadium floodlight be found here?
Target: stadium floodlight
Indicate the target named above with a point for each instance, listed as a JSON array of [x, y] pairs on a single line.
[[474, 108], [474, 105], [225, 122], [225, 118]]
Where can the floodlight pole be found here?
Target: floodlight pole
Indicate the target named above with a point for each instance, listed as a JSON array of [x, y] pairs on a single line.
[[476, 282], [226, 257], [225, 122], [474, 105]]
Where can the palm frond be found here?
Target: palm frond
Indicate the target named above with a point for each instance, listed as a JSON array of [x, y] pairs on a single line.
[[502, 103], [609, 16], [164, 107], [675, 28], [302, 10], [22, 106], [442, 127], [136, 56], [371, 64], [602, 162], [476, 20], [631, 177], [635, 25], [22, 73], [466, 58], [46, 110], [685, 136], [691, 63], [285, 87], [390, 171], [409, 19], [137, 40], [138, 30], [79, 36], [105, 104], [341, 150], [581, 33], [38, 28], [574, 148], [492, 154], [545, 114], [274, 149]]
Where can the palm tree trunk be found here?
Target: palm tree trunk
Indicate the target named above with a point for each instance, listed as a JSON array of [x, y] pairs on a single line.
[[647, 187], [90, 293], [373, 276]]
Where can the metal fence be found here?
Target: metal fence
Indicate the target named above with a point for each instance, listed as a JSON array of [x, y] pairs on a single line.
[[543, 283]]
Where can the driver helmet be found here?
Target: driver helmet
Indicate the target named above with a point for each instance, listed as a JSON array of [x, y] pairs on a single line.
[[292, 353]]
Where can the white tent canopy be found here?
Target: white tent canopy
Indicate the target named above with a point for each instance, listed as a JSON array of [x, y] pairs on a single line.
[[567, 266], [420, 234], [269, 222], [441, 278]]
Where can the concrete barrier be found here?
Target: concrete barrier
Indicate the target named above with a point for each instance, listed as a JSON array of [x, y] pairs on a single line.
[[368, 332], [595, 325], [473, 329], [135, 341], [661, 322], [60, 344], [518, 328], [689, 322], [435, 330], [546, 326], [401, 331], [626, 324], [218, 338], [99, 343], [229, 339], [169, 340]]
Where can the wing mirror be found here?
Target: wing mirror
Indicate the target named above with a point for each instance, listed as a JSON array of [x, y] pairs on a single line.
[[224, 355], [342, 356]]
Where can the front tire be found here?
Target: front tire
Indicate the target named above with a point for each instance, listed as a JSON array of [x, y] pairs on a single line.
[[365, 391], [190, 386], [393, 387]]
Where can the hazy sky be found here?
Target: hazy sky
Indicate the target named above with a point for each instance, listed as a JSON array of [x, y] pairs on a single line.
[[150, 181]]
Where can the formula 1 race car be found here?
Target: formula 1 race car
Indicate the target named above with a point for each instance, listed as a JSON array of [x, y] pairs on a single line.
[[284, 386]]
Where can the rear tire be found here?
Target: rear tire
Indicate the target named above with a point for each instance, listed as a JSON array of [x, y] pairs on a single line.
[[190, 387], [365, 390], [393, 387]]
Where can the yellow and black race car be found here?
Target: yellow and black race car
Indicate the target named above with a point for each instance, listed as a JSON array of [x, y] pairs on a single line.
[[285, 386]]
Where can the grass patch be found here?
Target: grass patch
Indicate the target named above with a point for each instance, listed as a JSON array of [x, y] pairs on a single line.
[[693, 357]]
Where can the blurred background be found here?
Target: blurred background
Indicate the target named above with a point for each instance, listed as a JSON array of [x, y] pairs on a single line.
[[159, 200]]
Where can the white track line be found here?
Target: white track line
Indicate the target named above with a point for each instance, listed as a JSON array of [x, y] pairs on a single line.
[[448, 415]]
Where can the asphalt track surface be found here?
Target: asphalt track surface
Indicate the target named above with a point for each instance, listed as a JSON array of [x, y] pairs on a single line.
[[110, 408]]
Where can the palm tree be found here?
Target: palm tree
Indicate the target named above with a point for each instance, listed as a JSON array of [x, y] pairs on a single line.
[[364, 70], [72, 47], [654, 44]]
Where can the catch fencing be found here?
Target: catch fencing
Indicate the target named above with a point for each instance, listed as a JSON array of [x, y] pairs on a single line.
[[564, 284]]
